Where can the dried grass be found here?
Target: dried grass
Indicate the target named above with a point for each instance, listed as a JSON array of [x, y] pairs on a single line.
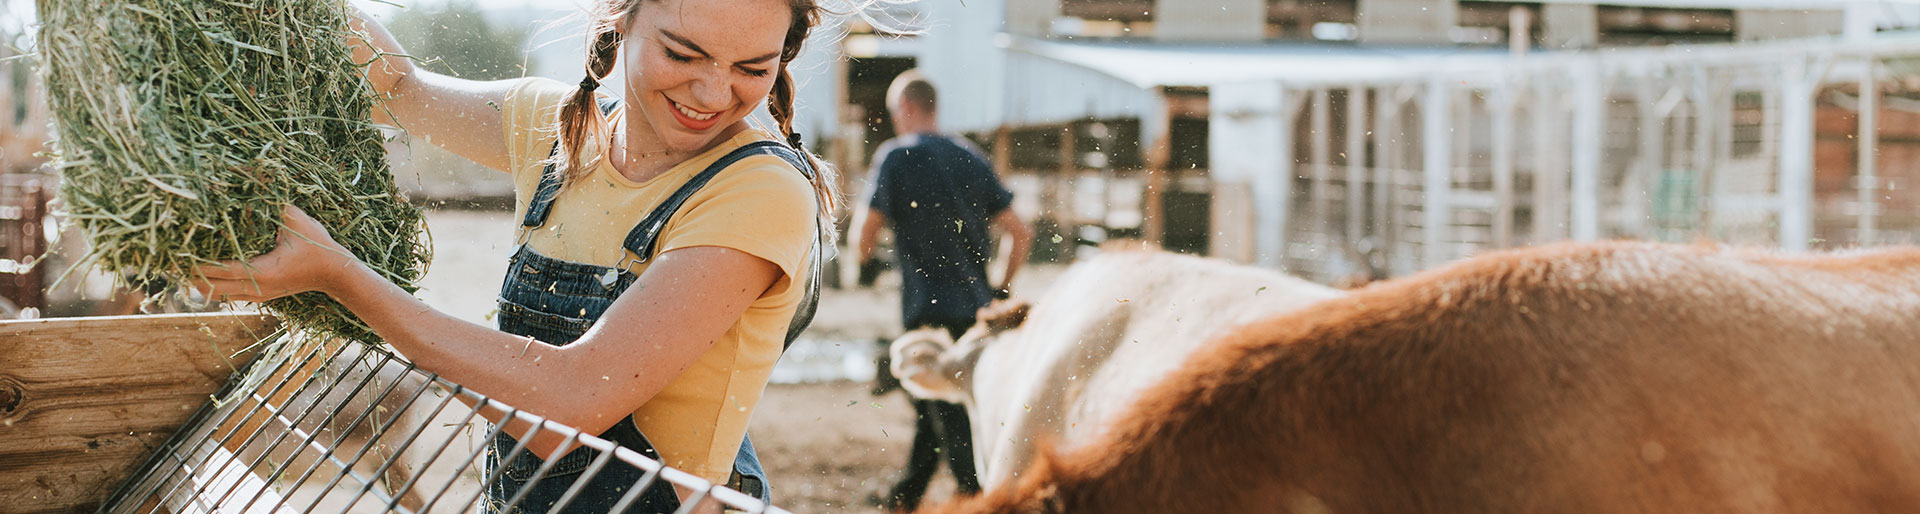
[[184, 126]]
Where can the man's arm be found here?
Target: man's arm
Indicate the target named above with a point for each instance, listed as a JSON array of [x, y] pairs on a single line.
[[870, 222], [1010, 224]]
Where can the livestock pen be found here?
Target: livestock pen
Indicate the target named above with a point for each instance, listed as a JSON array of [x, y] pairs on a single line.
[[91, 408]]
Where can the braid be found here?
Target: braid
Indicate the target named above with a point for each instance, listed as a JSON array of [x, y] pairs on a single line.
[[580, 119], [825, 179]]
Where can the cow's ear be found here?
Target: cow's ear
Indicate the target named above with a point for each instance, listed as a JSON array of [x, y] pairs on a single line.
[[916, 361], [1004, 314]]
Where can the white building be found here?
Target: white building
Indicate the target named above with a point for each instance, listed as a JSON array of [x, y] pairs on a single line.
[[1221, 125]]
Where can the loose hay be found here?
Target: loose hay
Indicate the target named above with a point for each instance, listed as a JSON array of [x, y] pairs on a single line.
[[185, 125]]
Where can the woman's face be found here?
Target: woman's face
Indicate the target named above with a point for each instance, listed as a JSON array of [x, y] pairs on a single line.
[[697, 67]]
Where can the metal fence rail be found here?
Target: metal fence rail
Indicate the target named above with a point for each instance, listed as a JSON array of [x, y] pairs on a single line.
[[344, 427]]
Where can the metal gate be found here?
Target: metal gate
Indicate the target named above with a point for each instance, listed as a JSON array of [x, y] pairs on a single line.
[[330, 426]]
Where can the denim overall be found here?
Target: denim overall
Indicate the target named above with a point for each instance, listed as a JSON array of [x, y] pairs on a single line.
[[555, 301]]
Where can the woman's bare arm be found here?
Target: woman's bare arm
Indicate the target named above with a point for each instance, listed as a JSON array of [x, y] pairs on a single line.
[[672, 315], [462, 116]]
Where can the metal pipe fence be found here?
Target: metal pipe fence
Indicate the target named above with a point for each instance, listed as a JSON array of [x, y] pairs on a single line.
[[336, 427]]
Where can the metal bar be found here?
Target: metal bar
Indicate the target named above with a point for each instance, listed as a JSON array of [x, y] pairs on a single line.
[[1549, 177], [293, 427], [374, 439], [519, 445], [1320, 167], [1647, 163], [258, 405], [285, 378], [633, 493], [1704, 104], [581, 483], [1435, 154], [1503, 149], [1868, 185], [1796, 155], [1589, 119], [1356, 164], [540, 473], [437, 452], [172, 447], [692, 504], [340, 436], [483, 448]]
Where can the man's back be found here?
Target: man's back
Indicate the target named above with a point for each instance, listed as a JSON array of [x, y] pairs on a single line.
[[939, 196]]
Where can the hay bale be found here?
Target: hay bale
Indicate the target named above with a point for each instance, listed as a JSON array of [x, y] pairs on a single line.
[[184, 126]]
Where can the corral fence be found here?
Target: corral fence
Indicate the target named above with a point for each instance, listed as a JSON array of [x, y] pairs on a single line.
[[1793, 144], [345, 427]]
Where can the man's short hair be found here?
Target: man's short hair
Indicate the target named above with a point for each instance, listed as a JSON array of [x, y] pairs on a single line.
[[912, 87]]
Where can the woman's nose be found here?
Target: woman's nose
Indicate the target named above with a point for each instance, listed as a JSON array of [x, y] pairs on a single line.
[[711, 88]]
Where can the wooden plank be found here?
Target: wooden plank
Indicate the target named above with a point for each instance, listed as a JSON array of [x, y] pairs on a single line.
[[83, 401]]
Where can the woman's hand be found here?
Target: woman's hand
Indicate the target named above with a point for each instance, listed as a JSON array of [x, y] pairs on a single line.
[[304, 259]]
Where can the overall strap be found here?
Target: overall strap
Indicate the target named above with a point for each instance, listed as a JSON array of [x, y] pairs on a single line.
[[544, 194], [645, 236]]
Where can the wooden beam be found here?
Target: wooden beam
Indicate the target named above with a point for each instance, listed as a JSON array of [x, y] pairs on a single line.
[[83, 401]]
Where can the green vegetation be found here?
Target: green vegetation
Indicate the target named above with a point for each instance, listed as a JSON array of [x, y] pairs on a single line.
[[184, 126]]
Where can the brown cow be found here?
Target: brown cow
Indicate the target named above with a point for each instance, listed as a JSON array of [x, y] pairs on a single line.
[[1603, 378]]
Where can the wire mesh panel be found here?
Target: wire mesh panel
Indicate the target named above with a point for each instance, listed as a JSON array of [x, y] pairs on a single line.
[[333, 427]]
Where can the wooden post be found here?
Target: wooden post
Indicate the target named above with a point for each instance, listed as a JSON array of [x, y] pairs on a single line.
[[84, 400]]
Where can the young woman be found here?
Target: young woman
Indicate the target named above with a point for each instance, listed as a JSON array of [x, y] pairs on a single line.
[[606, 323]]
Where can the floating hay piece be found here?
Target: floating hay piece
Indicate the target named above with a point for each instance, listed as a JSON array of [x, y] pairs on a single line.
[[184, 126]]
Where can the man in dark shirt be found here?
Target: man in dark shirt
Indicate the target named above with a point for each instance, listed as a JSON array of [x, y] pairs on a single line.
[[939, 195]]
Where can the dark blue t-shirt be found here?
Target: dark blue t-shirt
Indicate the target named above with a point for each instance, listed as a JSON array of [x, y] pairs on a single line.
[[939, 196]]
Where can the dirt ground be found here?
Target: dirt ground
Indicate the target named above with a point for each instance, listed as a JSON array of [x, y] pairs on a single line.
[[826, 442], [827, 446]]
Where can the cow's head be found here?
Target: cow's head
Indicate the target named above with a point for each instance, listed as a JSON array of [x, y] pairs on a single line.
[[931, 365]]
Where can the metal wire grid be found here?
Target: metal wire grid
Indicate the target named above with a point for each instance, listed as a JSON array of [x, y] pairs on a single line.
[[211, 466]]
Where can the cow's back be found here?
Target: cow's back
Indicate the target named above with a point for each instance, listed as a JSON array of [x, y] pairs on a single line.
[[1608, 378], [1112, 326]]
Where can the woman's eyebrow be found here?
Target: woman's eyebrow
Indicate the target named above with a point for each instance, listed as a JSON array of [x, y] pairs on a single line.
[[703, 53]]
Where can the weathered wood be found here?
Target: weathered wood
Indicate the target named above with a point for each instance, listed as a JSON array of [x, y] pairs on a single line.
[[83, 401]]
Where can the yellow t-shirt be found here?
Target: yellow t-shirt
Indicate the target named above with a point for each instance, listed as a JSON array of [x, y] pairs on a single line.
[[760, 205]]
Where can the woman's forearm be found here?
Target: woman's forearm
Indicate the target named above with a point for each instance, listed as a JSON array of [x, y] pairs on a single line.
[[516, 370]]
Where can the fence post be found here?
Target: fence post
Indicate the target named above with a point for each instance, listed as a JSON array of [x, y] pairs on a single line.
[[1436, 155], [1868, 184], [1589, 116]]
